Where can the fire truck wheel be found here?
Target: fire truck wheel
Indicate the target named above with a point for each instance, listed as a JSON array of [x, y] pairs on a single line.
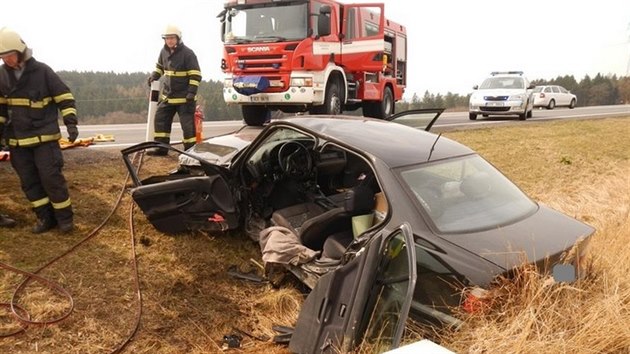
[[254, 115], [332, 101], [380, 109]]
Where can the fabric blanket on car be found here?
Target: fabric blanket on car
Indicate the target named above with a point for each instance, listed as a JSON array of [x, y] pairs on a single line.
[[279, 245]]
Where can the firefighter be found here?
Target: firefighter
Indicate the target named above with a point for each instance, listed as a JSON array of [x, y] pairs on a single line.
[[178, 64], [31, 97]]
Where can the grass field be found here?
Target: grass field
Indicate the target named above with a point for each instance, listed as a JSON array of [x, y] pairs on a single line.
[[190, 302]]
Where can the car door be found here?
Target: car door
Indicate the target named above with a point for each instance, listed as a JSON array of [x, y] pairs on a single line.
[[556, 95], [564, 97], [178, 202], [417, 118], [367, 300]]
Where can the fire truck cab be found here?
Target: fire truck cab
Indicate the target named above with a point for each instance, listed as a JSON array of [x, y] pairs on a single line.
[[317, 56]]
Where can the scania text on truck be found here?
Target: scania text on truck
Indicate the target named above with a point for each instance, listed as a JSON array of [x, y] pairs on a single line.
[[317, 56]]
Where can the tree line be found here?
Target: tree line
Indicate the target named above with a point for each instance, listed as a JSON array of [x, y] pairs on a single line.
[[108, 97]]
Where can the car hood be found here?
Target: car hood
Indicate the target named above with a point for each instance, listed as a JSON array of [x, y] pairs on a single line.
[[499, 92], [220, 150], [546, 233]]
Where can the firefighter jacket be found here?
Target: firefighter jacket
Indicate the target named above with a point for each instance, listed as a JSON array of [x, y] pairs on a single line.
[[181, 72], [30, 105]]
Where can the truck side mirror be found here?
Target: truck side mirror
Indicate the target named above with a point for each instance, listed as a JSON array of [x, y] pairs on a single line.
[[323, 21]]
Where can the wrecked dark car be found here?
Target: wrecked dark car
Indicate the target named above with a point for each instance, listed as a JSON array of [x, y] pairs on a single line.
[[384, 220]]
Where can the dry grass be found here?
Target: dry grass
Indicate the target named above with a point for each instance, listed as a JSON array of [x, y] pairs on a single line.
[[190, 302], [583, 169]]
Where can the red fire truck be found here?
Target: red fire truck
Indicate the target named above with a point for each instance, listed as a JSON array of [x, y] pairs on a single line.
[[320, 56]]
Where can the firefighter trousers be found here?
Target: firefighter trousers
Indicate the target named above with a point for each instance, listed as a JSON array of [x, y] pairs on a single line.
[[39, 169], [164, 120]]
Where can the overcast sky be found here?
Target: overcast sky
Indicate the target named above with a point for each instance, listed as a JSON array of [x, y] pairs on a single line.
[[452, 46]]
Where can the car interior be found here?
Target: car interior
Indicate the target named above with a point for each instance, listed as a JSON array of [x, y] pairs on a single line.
[[315, 192]]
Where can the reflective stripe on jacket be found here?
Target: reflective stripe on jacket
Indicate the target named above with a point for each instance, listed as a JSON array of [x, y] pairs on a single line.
[[30, 105]]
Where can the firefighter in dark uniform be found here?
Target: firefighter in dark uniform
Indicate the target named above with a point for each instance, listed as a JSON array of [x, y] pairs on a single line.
[[31, 97], [178, 65]]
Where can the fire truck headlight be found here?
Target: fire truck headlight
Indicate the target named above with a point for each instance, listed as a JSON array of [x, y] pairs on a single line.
[[301, 82]]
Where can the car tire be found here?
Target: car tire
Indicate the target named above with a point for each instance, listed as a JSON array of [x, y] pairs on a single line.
[[551, 105], [472, 116], [255, 116], [572, 104]]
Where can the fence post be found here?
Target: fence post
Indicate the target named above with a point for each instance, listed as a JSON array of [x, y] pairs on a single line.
[[153, 102]]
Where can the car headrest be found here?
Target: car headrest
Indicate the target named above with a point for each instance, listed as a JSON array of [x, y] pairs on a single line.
[[359, 200], [476, 185]]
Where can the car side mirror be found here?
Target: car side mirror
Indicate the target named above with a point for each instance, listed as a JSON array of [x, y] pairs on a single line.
[[475, 87]]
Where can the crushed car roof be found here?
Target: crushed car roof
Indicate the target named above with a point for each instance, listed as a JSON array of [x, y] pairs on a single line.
[[393, 143]]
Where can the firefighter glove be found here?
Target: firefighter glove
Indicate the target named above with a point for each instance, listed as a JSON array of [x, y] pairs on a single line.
[[73, 132], [150, 80], [190, 97]]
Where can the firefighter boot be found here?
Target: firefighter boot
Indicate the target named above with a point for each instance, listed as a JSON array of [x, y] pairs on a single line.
[[45, 219], [64, 218], [66, 227], [158, 152], [6, 221], [44, 225]]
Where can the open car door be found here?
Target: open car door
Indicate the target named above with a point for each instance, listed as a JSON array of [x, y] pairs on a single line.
[[367, 299], [178, 202], [417, 118]]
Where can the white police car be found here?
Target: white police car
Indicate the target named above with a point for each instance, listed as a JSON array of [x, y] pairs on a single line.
[[502, 93]]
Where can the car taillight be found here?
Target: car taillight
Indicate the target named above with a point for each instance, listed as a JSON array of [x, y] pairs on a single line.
[[475, 300], [542, 95]]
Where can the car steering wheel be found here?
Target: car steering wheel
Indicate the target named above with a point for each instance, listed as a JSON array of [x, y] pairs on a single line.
[[295, 160]]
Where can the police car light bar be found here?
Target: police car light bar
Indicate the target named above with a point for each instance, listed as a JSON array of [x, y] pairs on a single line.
[[506, 72]]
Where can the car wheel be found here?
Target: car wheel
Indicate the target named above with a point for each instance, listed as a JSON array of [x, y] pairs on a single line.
[[255, 115], [551, 105], [572, 104], [472, 116]]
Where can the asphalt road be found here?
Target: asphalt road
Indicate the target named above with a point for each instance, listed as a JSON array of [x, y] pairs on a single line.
[[130, 134]]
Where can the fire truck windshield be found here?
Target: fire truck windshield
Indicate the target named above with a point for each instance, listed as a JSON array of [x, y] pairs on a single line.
[[266, 24]]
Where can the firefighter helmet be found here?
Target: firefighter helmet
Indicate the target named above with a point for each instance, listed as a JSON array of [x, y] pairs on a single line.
[[10, 41], [171, 30]]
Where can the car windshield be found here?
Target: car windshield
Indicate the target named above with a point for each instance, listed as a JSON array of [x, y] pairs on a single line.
[[502, 83], [466, 195]]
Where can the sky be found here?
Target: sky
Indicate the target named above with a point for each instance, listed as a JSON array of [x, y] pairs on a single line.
[[452, 44]]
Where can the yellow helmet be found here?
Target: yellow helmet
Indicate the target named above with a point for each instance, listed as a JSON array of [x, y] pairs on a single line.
[[172, 30], [10, 41]]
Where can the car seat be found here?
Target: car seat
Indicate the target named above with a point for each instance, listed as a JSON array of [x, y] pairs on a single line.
[[476, 186], [313, 223]]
